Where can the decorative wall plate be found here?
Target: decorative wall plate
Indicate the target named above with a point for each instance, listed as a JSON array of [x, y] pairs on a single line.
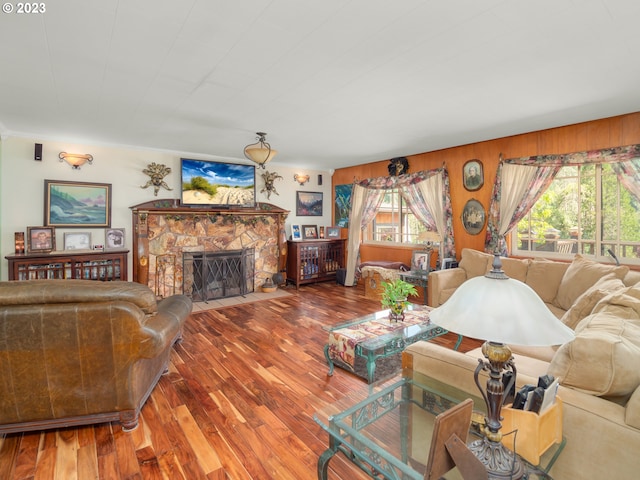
[[398, 166]]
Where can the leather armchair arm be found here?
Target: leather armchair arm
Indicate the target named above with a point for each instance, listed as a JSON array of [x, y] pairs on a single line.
[[165, 327]]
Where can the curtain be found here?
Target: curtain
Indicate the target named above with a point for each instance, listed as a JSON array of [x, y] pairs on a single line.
[[427, 195], [520, 182]]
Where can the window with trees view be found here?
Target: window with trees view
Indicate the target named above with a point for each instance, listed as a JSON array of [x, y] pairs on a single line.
[[394, 222], [585, 210]]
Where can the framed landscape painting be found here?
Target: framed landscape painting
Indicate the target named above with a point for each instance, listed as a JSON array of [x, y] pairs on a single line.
[[77, 204], [309, 204]]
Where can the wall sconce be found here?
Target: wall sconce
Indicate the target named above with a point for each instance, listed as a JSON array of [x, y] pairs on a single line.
[[301, 179], [76, 160]]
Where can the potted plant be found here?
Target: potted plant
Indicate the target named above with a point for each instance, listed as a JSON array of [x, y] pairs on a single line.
[[394, 297]]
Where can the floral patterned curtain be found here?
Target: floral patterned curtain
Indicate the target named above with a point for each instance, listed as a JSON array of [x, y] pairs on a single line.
[[431, 207], [505, 202]]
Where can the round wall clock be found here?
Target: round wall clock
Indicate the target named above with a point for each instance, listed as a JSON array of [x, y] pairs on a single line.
[[398, 166]]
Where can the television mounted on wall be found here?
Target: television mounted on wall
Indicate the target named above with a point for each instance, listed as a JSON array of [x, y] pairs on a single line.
[[208, 183]]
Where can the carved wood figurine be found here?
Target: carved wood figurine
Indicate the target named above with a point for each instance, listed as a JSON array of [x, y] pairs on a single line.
[[269, 187], [157, 172]]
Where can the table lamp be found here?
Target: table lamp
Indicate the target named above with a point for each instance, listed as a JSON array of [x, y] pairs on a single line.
[[500, 310]]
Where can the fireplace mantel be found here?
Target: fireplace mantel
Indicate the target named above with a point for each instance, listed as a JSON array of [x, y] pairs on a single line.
[[165, 228]]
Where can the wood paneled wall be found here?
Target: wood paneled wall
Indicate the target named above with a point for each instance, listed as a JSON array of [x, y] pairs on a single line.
[[593, 135]]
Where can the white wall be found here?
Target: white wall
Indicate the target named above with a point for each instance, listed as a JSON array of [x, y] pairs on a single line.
[[22, 186]]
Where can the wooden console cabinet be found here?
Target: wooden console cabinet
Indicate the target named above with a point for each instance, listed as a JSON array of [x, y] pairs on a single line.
[[87, 265], [310, 261]]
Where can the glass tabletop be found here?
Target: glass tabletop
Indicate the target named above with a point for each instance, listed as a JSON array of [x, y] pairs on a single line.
[[387, 429], [380, 315]]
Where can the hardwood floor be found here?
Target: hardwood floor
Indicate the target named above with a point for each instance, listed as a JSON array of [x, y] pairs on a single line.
[[237, 403]]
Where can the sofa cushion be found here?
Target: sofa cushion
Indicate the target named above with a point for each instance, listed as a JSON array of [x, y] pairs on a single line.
[[475, 263], [603, 358], [515, 268], [544, 277], [584, 304], [580, 276]]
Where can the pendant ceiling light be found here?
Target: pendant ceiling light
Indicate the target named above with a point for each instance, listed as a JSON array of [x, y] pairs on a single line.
[[260, 152]]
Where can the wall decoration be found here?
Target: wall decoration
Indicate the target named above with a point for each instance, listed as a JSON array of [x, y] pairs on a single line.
[[398, 166], [473, 217], [472, 175], [77, 204], [157, 172], [114, 237], [269, 179], [309, 232], [309, 204], [41, 239], [333, 232], [77, 241], [343, 205], [296, 232]]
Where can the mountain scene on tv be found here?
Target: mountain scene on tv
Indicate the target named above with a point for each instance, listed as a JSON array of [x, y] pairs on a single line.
[[214, 183]]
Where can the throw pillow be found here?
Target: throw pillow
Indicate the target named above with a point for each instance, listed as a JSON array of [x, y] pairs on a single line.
[[584, 304], [544, 277], [582, 274], [603, 358], [475, 263], [514, 267]]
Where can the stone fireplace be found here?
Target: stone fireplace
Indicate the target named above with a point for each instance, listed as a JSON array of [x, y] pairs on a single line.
[[165, 231]]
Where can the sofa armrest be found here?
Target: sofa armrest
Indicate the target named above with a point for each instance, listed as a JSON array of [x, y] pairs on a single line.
[[442, 283], [165, 327]]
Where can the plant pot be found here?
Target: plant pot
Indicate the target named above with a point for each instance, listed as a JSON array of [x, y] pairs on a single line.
[[396, 312]]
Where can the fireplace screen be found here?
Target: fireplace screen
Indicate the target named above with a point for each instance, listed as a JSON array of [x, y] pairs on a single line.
[[213, 275]]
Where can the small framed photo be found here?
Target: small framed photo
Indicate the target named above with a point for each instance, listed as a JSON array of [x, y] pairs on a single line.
[[473, 217], [333, 232], [421, 260], [114, 238], [310, 232], [472, 175], [309, 204], [77, 241], [296, 232], [41, 239]]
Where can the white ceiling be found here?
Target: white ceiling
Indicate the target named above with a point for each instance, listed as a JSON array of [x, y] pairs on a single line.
[[333, 82]]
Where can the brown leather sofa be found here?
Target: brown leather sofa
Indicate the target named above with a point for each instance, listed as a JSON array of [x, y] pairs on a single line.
[[75, 352]]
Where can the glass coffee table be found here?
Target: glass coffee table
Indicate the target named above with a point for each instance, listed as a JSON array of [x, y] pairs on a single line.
[[359, 345], [386, 430]]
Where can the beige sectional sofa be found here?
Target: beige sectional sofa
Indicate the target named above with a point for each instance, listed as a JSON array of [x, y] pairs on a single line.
[[599, 370]]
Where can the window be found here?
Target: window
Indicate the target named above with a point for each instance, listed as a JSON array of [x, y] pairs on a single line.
[[585, 210], [394, 222]]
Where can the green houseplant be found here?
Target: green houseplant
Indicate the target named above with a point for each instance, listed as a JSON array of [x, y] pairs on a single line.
[[394, 297]]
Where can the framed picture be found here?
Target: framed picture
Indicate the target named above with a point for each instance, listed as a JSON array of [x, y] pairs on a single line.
[[333, 232], [41, 239], [114, 238], [309, 204], [472, 175], [343, 205], [309, 232], [473, 217], [77, 241], [420, 261], [321, 232], [296, 232], [77, 204]]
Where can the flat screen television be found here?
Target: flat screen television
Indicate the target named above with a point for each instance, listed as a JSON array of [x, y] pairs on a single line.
[[217, 184]]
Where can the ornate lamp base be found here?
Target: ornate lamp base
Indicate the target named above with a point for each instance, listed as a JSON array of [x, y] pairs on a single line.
[[500, 462]]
